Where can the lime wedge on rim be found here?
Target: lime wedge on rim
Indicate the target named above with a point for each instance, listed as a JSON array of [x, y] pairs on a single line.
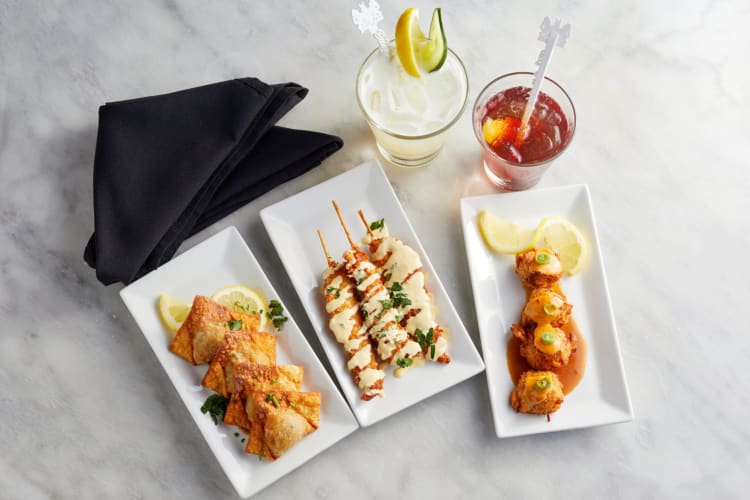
[[416, 51]]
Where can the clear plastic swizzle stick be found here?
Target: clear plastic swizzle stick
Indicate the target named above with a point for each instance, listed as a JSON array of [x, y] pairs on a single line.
[[553, 35], [366, 18]]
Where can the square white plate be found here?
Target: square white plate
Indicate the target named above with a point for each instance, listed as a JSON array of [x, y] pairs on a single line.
[[223, 260], [292, 225], [602, 395]]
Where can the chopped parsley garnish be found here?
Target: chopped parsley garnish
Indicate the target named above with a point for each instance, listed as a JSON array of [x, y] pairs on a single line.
[[240, 306], [276, 314], [398, 297], [432, 351], [270, 398], [291, 403], [387, 276], [234, 324], [333, 289], [363, 311], [404, 362], [275, 380], [216, 406], [426, 340], [399, 318], [378, 224]]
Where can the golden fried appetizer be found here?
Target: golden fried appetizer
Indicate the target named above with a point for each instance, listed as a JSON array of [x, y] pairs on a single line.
[[401, 268], [545, 306], [540, 393], [249, 378], [545, 347], [238, 347], [538, 267], [280, 419], [202, 333]]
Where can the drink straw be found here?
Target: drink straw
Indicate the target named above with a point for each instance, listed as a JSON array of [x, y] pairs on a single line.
[[553, 35], [367, 19]]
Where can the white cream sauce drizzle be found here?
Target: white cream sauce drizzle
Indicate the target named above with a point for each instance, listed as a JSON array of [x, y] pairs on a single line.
[[343, 323], [403, 262], [381, 323]]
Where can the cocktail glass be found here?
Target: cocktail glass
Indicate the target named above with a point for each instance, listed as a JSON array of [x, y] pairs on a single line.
[[410, 116], [510, 173]]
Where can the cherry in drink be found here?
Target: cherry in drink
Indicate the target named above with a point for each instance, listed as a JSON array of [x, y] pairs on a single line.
[[516, 160]]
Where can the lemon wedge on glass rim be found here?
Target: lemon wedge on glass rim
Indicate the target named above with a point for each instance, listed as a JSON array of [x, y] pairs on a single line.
[[419, 53], [172, 312], [244, 299]]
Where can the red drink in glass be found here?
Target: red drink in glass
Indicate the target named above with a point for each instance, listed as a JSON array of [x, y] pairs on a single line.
[[512, 160]]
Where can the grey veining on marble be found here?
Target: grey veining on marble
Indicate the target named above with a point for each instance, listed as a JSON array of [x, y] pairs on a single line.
[[662, 91]]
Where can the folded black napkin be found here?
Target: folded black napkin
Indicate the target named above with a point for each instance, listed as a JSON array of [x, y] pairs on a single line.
[[167, 166]]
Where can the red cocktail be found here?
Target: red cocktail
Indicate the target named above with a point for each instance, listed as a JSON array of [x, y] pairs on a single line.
[[516, 160]]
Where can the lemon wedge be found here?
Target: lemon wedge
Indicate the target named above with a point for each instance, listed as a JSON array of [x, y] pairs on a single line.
[[566, 239], [244, 299], [503, 236], [172, 312], [416, 51]]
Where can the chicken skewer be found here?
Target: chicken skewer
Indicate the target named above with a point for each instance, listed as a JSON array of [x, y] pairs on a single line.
[[345, 321], [401, 267], [393, 343]]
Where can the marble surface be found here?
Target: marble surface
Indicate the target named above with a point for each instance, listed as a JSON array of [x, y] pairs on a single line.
[[662, 91]]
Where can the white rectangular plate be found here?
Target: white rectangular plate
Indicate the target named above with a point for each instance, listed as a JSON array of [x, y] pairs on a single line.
[[292, 225], [223, 260], [602, 395]]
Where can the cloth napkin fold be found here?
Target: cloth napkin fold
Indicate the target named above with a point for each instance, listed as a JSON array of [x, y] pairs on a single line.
[[167, 166]]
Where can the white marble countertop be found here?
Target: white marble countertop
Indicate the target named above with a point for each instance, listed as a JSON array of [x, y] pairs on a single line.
[[662, 91]]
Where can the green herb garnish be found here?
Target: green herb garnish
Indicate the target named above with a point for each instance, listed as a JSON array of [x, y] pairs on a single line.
[[387, 276], [270, 398], [425, 340], [241, 307], [291, 403], [275, 380], [234, 324], [216, 406], [432, 351], [398, 297], [378, 224], [333, 289], [404, 362], [276, 314]]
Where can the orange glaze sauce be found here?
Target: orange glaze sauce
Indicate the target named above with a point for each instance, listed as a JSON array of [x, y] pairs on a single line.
[[571, 374]]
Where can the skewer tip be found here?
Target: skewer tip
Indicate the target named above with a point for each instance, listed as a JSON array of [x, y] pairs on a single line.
[[364, 221]]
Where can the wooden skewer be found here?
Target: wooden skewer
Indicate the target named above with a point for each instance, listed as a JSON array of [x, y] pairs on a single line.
[[364, 221], [331, 262], [343, 224]]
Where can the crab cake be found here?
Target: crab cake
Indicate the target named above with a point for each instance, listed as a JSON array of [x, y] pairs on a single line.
[[537, 392]]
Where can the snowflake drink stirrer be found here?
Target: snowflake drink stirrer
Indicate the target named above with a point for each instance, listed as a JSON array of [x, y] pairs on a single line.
[[367, 19], [553, 35]]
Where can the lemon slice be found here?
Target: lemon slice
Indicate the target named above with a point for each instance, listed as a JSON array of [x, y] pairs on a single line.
[[566, 239], [415, 50], [242, 298], [503, 236], [172, 312]]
